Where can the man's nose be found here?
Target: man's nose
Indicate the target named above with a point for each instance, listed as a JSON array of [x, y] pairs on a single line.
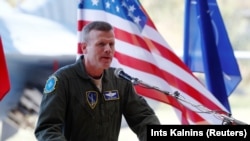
[[108, 48]]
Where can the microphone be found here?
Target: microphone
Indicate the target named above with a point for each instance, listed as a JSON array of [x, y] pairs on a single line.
[[119, 73]]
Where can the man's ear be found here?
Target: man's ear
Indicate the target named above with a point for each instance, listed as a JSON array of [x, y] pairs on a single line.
[[83, 47]]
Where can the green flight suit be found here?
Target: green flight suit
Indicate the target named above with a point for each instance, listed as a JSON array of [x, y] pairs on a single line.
[[73, 109]]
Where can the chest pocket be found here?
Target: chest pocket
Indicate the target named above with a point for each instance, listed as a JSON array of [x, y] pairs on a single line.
[[110, 105]]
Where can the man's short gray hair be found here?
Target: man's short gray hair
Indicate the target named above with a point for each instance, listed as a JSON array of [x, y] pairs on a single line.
[[95, 25]]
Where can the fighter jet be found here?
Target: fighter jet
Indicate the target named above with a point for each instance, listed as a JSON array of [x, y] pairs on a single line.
[[34, 47]]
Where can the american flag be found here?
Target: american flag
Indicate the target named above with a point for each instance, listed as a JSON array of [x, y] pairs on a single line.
[[142, 52]]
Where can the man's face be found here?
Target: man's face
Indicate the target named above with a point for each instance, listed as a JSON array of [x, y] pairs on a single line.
[[100, 49]]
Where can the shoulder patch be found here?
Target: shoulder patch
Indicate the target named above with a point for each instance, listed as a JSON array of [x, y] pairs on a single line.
[[50, 84]]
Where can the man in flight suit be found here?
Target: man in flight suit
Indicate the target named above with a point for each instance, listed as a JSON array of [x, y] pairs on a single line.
[[85, 101]]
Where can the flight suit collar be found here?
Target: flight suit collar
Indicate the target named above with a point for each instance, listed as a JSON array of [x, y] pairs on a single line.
[[81, 71]]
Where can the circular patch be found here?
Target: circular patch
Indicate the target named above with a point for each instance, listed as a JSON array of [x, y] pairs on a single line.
[[50, 84]]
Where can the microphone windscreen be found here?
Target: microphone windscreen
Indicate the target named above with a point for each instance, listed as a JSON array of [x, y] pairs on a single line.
[[117, 72]]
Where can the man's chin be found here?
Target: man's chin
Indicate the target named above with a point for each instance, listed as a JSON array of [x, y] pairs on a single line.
[[106, 66]]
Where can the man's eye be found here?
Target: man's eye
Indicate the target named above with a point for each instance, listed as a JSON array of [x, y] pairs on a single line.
[[101, 44], [111, 44]]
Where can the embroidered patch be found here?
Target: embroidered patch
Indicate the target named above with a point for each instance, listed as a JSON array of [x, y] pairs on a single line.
[[92, 98], [111, 95], [50, 84]]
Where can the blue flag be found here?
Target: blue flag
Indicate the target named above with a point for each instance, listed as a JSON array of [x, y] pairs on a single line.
[[207, 48]]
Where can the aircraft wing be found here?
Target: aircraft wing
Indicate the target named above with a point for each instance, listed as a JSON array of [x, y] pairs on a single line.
[[34, 48]]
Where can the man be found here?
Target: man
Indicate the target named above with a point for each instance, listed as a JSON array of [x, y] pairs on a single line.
[[85, 101]]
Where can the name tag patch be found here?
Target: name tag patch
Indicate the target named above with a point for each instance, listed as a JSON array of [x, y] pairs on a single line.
[[111, 95]]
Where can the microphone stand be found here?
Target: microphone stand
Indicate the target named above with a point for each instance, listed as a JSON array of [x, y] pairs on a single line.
[[226, 119], [136, 81]]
